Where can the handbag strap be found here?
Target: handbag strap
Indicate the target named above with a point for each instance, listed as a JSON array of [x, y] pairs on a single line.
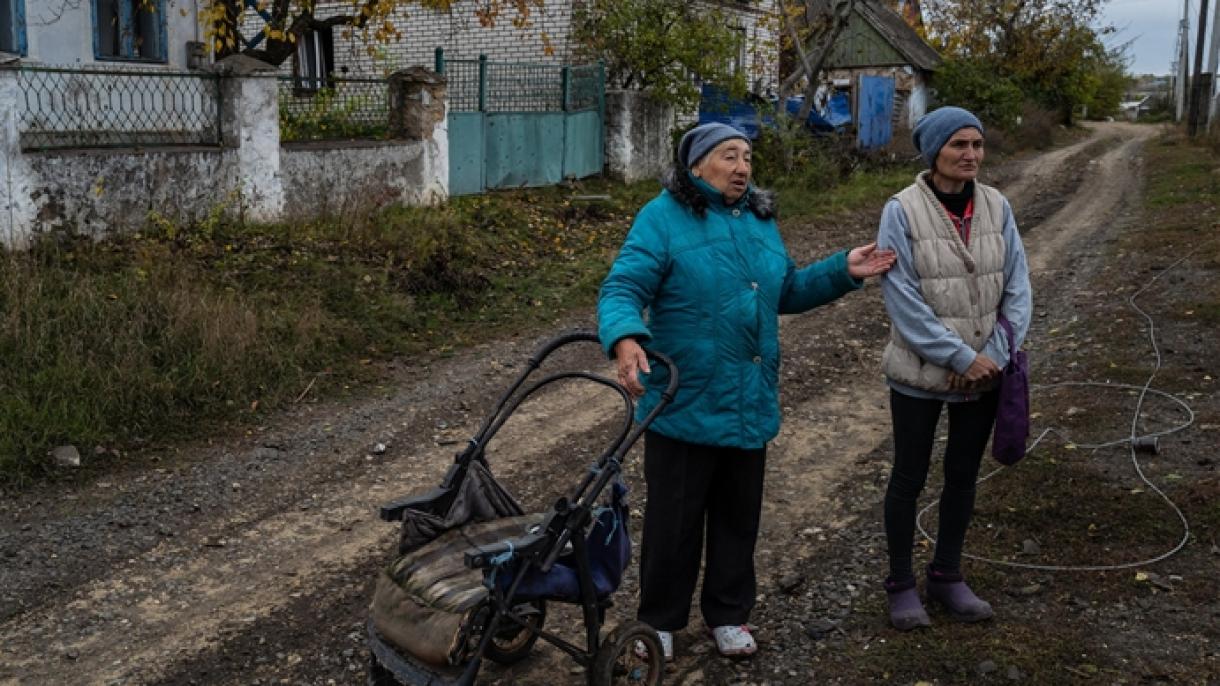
[[1003, 321]]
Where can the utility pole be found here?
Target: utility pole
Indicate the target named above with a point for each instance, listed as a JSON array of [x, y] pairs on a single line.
[[1201, 84], [1181, 73], [1213, 64]]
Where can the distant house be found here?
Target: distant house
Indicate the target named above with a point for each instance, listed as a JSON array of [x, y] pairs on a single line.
[[1132, 109], [879, 42]]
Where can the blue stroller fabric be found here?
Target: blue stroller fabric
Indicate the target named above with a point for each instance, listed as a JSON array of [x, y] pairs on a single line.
[[609, 550]]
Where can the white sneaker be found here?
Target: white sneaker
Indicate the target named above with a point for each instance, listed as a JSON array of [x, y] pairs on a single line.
[[667, 646], [734, 641]]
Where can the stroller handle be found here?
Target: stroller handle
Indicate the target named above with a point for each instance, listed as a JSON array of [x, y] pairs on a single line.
[[589, 337], [497, 415]]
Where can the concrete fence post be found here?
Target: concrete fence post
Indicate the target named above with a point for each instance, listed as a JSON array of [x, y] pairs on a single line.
[[419, 111], [250, 124], [639, 142], [417, 103], [17, 213]]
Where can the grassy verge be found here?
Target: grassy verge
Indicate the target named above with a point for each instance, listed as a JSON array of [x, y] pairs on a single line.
[[143, 339]]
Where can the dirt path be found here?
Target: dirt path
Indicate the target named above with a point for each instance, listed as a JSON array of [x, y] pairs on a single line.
[[250, 561]]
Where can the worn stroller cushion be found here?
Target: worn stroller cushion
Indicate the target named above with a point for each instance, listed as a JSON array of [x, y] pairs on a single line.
[[425, 600]]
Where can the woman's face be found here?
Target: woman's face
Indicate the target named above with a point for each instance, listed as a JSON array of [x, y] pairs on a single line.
[[726, 168], [961, 156]]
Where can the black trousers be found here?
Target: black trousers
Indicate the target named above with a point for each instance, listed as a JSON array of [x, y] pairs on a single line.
[[692, 488], [915, 421]]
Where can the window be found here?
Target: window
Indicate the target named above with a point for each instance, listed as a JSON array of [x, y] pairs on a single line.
[[129, 30], [739, 60], [12, 26], [314, 61]]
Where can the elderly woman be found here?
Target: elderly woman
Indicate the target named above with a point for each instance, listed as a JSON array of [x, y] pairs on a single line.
[[706, 260], [960, 266]]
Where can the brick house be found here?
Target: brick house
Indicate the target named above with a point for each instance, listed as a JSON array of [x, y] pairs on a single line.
[[544, 37]]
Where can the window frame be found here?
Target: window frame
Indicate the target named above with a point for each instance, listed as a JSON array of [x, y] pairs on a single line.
[[304, 81], [128, 15], [16, 10]]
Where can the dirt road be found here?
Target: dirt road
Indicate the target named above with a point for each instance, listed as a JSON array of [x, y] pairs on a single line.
[[249, 559]]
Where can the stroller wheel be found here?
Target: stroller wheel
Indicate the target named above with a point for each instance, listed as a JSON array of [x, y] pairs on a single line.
[[378, 675], [512, 643], [618, 663]]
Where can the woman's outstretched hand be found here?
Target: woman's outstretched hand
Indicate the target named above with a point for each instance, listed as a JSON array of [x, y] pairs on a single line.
[[867, 260]]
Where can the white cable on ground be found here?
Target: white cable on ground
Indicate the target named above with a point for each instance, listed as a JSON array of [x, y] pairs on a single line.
[[1130, 441]]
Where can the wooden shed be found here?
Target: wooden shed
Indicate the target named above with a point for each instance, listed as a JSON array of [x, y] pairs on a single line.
[[878, 42]]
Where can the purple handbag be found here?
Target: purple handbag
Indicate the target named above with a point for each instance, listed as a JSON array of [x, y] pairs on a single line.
[[1012, 413]]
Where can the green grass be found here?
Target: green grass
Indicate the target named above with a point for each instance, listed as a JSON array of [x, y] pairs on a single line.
[[863, 189]]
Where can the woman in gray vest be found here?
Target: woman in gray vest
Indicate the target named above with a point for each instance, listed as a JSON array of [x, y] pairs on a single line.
[[960, 265]]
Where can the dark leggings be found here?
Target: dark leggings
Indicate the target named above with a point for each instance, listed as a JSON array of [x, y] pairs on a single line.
[[915, 421]]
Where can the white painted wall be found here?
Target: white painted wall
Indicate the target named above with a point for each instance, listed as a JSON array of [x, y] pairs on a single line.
[[103, 191]]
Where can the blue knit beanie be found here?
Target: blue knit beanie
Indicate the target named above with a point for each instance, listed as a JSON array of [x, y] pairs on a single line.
[[935, 128], [700, 140]]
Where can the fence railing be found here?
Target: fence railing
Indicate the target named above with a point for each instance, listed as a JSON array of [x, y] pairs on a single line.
[[96, 108], [481, 85], [333, 108]]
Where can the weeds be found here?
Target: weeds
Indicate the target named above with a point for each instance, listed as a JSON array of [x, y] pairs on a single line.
[[820, 175]]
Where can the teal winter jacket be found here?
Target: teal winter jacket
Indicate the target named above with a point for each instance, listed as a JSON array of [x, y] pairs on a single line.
[[713, 287]]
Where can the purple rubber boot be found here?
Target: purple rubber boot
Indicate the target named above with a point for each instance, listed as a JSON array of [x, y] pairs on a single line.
[[906, 611], [951, 591]]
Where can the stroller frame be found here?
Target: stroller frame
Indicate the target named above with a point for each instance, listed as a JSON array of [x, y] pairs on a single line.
[[563, 531]]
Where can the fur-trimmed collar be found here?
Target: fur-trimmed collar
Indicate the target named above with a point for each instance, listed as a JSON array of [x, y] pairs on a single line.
[[677, 181]]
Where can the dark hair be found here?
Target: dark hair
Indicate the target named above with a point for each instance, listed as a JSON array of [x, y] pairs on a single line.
[[678, 182]]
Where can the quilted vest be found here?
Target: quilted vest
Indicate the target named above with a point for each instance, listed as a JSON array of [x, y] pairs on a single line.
[[962, 284]]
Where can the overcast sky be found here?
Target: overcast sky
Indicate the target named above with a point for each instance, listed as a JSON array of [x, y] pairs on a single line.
[[1153, 26]]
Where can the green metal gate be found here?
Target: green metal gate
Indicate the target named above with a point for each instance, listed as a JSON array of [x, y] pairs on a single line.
[[514, 124]]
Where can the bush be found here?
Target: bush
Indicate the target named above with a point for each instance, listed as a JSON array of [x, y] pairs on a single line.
[[1037, 128], [975, 85]]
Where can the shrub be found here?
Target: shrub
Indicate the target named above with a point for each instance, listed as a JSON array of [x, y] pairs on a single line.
[[975, 85]]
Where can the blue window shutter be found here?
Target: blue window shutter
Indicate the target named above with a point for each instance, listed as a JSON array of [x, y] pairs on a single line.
[[131, 21], [127, 29], [12, 26], [162, 32], [97, 32], [19, 9]]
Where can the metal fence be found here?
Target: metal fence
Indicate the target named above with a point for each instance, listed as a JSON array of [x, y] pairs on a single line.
[[334, 108], [480, 85], [102, 108]]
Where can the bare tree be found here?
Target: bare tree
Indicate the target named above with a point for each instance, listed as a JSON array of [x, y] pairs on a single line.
[[810, 29]]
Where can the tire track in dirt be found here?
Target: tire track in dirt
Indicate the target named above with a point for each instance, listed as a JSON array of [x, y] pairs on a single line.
[[1108, 183]]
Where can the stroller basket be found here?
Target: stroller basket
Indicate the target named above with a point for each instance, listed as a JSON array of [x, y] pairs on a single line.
[[474, 572]]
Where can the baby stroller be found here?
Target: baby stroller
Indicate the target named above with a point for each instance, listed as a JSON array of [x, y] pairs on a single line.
[[474, 573]]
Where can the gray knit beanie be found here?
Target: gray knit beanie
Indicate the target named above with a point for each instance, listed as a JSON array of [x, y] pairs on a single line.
[[935, 128], [700, 140]]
